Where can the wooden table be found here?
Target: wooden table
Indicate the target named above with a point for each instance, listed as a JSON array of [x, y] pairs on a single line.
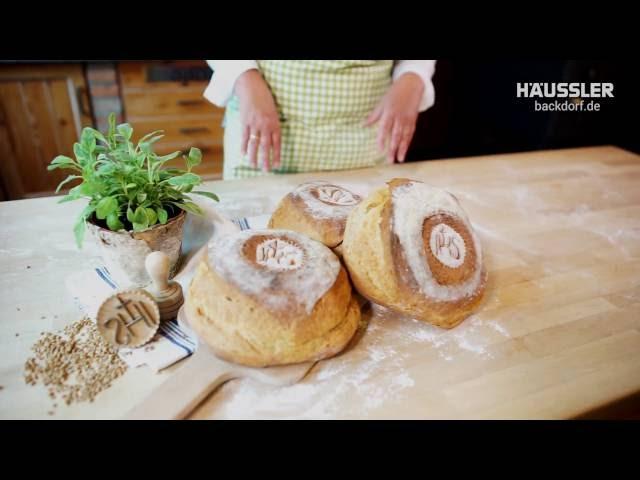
[[558, 335]]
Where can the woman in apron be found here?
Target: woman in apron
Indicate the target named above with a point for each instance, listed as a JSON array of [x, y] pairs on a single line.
[[290, 116]]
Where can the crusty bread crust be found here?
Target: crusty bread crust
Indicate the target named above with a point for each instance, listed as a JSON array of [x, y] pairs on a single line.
[[379, 270], [241, 329], [291, 214], [298, 211]]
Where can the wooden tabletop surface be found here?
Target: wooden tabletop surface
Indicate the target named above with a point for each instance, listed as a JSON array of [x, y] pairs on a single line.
[[558, 335]]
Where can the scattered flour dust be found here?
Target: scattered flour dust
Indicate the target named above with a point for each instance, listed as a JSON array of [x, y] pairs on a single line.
[[467, 337], [372, 374], [498, 328]]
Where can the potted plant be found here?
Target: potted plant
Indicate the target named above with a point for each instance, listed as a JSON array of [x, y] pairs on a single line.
[[136, 204]]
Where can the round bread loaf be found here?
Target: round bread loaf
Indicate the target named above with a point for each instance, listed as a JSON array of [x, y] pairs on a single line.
[[410, 247], [316, 209], [271, 297]]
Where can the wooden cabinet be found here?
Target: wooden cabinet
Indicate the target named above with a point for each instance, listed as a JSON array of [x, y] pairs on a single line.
[[161, 96], [44, 106], [43, 109]]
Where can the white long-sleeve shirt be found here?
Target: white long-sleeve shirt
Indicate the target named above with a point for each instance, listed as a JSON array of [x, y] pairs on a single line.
[[226, 72]]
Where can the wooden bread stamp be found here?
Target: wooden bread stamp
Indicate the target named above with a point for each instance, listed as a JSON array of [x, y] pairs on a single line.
[[128, 319], [167, 294]]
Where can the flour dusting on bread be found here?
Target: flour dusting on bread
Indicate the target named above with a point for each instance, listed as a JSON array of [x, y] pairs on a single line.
[[313, 272], [278, 254], [325, 200], [413, 202]]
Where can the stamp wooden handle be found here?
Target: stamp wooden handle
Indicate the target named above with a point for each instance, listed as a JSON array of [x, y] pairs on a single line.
[[168, 294], [157, 265]]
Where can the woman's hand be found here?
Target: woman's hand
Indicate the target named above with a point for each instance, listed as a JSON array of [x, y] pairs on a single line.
[[259, 117], [397, 113]]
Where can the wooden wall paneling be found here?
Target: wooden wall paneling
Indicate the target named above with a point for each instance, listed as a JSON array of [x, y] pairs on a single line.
[[10, 180], [44, 109]]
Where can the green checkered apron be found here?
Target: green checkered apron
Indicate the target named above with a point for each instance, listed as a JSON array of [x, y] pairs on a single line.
[[322, 106]]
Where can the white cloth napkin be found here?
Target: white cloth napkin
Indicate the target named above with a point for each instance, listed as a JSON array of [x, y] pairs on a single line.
[[173, 342]]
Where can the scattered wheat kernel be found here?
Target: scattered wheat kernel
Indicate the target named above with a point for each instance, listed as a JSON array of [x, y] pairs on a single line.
[[76, 364]]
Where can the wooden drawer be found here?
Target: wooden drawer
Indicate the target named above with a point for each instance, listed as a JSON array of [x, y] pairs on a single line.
[[153, 102], [180, 102], [185, 130], [141, 74]]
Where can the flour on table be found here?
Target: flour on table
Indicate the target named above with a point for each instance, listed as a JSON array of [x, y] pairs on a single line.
[[466, 337], [376, 372], [378, 377], [498, 328], [404, 380]]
